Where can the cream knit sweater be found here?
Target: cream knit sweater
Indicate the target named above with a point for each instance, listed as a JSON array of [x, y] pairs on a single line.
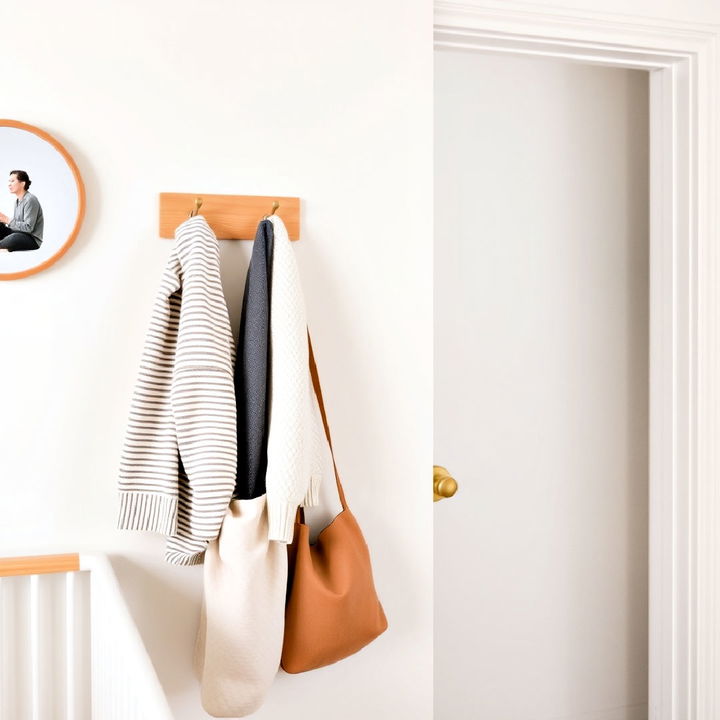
[[295, 430]]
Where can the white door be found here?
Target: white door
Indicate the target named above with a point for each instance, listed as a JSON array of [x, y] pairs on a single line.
[[541, 389]]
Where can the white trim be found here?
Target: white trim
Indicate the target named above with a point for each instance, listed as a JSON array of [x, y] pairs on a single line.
[[682, 60]]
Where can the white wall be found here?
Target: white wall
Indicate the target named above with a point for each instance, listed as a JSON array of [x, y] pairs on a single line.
[[315, 99], [541, 367]]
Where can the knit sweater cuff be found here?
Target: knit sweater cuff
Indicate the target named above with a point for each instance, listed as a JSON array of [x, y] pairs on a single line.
[[148, 511], [185, 550], [281, 520], [312, 496], [175, 557]]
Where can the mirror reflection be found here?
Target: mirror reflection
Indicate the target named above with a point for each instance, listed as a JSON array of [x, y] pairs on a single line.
[[40, 201], [24, 230]]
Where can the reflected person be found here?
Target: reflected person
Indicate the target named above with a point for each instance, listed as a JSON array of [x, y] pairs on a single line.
[[25, 230]]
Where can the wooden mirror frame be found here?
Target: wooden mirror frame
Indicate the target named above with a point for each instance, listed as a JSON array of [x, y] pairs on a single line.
[[81, 198]]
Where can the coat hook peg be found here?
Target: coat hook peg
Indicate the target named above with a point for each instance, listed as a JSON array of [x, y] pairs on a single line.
[[198, 205], [275, 206]]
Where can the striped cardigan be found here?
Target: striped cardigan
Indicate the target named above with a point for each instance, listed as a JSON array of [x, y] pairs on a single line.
[[179, 460]]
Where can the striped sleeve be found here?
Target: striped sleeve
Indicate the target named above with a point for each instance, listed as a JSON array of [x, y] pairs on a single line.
[[203, 406], [148, 481]]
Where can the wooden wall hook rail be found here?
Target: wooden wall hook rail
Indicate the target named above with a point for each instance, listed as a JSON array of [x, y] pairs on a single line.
[[232, 217]]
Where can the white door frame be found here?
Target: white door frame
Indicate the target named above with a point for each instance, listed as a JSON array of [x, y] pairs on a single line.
[[682, 59]]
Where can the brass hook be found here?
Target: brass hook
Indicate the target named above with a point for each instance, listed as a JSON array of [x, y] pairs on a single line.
[[198, 205], [275, 206]]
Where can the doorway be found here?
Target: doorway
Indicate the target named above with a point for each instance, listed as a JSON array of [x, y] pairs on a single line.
[[541, 388]]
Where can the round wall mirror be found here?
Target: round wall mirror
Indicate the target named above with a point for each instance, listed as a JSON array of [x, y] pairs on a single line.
[[42, 200]]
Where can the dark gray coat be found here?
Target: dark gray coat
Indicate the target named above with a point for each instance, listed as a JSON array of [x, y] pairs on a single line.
[[252, 369]]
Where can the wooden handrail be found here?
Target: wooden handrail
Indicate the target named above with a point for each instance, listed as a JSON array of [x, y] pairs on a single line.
[[39, 564]]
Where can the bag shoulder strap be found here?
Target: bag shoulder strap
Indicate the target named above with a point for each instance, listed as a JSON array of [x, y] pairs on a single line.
[[318, 393]]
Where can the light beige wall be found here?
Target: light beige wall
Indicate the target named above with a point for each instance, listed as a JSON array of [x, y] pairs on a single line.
[[321, 100]]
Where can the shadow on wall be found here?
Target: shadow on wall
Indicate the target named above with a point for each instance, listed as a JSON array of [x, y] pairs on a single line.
[[166, 614]]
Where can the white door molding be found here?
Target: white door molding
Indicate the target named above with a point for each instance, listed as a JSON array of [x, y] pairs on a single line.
[[682, 60]]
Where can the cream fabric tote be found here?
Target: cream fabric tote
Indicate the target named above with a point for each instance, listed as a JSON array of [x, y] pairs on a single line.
[[240, 638]]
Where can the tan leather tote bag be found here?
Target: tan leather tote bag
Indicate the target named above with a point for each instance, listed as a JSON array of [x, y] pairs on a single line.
[[332, 609]]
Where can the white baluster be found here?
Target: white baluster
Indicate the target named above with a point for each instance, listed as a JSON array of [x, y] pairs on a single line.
[[4, 641], [35, 645], [70, 638]]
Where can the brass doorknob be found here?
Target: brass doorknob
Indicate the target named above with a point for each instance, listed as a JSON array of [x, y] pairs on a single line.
[[444, 485]]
